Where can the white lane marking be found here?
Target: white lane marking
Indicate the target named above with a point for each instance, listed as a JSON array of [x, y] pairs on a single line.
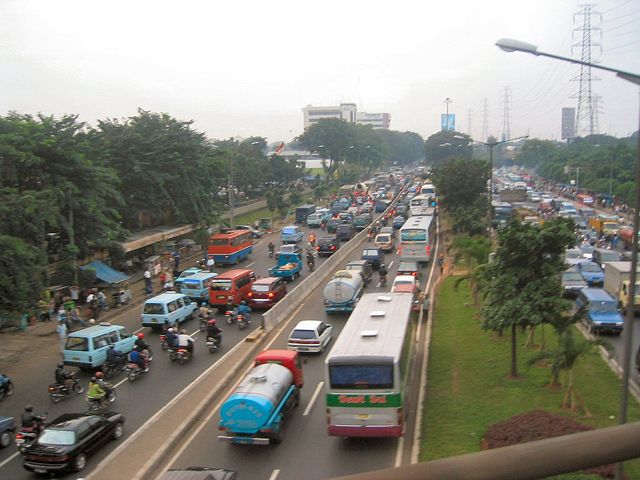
[[9, 459], [313, 399], [398, 461], [249, 264], [391, 264], [274, 474], [138, 330], [120, 383], [205, 423]]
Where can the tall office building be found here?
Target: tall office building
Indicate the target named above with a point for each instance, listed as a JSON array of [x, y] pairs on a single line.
[[379, 121], [347, 112]]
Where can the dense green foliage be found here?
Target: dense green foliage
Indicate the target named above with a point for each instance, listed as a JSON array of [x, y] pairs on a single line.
[[462, 193], [606, 164], [446, 145]]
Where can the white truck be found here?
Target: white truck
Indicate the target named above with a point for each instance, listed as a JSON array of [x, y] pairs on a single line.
[[616, 283], [343, 291]]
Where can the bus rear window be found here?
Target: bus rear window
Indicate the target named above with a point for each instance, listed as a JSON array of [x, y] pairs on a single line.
[[413, 235], [361, 376], [221, 285]]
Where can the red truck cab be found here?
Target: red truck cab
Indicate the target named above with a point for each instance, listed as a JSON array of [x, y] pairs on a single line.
[[286, 358]]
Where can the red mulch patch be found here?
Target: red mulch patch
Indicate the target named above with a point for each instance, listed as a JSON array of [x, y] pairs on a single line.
[[537, 425]]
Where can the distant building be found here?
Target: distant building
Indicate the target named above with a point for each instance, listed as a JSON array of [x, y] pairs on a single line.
[[568, 128], [379, 121], [347, 112]]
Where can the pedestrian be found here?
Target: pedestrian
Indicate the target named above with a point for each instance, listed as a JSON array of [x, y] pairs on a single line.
[[441, 262], [148, 288], [61, 330], [163, 278], [210, 263]]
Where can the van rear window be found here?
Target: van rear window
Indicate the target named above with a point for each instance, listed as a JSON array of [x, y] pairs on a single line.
[[77, 344], [153, 308], [221, 285]]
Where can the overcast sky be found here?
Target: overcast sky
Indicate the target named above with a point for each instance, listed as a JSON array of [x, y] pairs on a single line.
[[241, 68]]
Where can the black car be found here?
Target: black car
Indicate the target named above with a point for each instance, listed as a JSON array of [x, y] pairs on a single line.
[[65, 442], [326, 246], [332, 224]]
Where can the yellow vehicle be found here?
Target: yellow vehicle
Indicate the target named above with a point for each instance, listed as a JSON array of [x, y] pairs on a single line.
[[605, 224]]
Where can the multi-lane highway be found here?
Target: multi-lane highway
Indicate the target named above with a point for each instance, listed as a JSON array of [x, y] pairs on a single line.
[[306, 448]]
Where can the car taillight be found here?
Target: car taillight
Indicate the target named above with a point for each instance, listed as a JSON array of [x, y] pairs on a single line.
[[333, 247], [414, 273], [221, 428], [270, 295], [19, 436], [250, 294], [428, 249]]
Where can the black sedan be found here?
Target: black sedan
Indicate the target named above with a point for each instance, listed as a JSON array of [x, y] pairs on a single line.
[[65, 443], [327, 246]]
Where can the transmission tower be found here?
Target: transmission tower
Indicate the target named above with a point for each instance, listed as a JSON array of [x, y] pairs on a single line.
[[597, 109], [506, 98], [586, 117], [485, 121]]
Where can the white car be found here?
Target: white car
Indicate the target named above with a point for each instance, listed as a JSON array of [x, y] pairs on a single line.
[[405, 284], [310, 336]]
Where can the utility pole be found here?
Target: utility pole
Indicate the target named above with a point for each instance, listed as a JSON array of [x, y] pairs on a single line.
[[485, 121]]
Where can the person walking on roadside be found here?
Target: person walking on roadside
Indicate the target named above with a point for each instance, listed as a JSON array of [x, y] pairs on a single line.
[[441, 262], [210, 263], [61, 330]]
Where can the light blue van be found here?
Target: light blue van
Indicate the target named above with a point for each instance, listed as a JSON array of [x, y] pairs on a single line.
[[87, 348], [196, 287], [170, 308], [291, 234]]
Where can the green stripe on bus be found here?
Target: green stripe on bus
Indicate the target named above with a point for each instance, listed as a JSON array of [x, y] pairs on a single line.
[[364, 400]]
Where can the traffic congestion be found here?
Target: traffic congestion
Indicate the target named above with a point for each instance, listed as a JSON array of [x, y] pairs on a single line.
[[115, 376]]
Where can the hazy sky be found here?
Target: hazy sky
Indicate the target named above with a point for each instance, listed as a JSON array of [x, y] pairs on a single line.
[[248, 67]]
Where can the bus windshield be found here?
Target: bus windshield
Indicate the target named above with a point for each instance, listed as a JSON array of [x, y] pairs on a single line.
[[413, 235], [361, 376]]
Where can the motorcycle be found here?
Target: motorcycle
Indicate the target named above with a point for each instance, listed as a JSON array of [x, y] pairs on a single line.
[[6, 386], [231, 316], [58, 391], [181, 354], [164, 344], [383, 280], [243, 321], [214, 343], [102, 404], [26, 435], [311, 264], [113, 369], [133, 370]]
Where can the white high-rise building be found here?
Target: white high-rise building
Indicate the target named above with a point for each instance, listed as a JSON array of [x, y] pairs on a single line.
[[379, 121], [347, 112]]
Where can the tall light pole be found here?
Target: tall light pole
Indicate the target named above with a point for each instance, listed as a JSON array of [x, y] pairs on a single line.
[[510, 45]]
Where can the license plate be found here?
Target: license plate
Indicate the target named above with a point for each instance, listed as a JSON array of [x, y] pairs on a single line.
[[39, 470], [220, 296], [302, 349], [242, 440], [363, 416]]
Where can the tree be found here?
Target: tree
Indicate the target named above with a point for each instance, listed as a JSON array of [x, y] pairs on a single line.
[[521, 286], [21, 274], [447, 145], [331, 138]]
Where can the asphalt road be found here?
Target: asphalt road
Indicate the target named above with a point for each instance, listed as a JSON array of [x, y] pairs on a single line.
[[306, 451], [138, 400]]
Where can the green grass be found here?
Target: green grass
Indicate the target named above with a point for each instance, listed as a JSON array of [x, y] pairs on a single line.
[[468, 370]]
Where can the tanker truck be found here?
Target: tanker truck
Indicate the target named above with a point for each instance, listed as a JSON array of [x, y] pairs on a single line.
[[254, 413], [343, 291]]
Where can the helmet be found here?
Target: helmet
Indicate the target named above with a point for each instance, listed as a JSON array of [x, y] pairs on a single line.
[[212, 322], [243, 302], [28, 408], [61, 365], [140, 335], [93, 379], [99, 374], [170, 330]]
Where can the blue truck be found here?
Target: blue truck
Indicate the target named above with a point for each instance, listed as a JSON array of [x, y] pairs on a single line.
[[255, 412], [289, 266]]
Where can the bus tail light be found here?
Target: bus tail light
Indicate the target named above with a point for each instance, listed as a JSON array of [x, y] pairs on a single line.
[[400, 417], [428, 249]]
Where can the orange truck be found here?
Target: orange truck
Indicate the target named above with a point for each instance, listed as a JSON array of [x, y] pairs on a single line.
[[605, 224]]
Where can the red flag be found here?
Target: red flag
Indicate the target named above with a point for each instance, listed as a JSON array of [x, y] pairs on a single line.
[[280, 149]]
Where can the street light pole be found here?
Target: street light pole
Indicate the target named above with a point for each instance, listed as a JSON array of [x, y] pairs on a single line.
[[510, 45]]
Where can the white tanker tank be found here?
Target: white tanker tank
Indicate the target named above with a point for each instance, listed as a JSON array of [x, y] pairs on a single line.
[[343, 291]]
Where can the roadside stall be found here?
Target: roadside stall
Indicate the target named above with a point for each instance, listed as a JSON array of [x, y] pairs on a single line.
[[113, 283], [153, 264]]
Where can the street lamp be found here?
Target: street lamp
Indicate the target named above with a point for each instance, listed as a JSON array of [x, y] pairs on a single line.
[[511, 45]]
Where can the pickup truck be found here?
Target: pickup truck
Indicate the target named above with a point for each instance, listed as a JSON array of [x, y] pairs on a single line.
[[288, 267], [255, 412]]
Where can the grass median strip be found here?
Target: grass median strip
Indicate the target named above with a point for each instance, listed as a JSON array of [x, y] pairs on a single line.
[[468, 387]]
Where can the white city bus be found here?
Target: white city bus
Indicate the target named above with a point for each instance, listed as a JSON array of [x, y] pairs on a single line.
[[428, 190], [416, 236], [367, 368]]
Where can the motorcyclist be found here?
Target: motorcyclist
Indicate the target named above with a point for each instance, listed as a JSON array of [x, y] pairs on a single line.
[[136, 357], [185, 341], [29, 420], [64, 376], [172, 338], [244, 310], [203, 311], [95, 392], [106, 386], [140, 344], [271, 248], [382, 271], [311, 261], [213, 331], [114, 356], [312, 239]]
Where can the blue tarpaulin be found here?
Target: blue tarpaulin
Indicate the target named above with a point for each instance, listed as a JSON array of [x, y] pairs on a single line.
[[105, 273]]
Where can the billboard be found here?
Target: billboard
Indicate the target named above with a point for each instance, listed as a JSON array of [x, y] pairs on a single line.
[[448, 121], [568, 128]]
